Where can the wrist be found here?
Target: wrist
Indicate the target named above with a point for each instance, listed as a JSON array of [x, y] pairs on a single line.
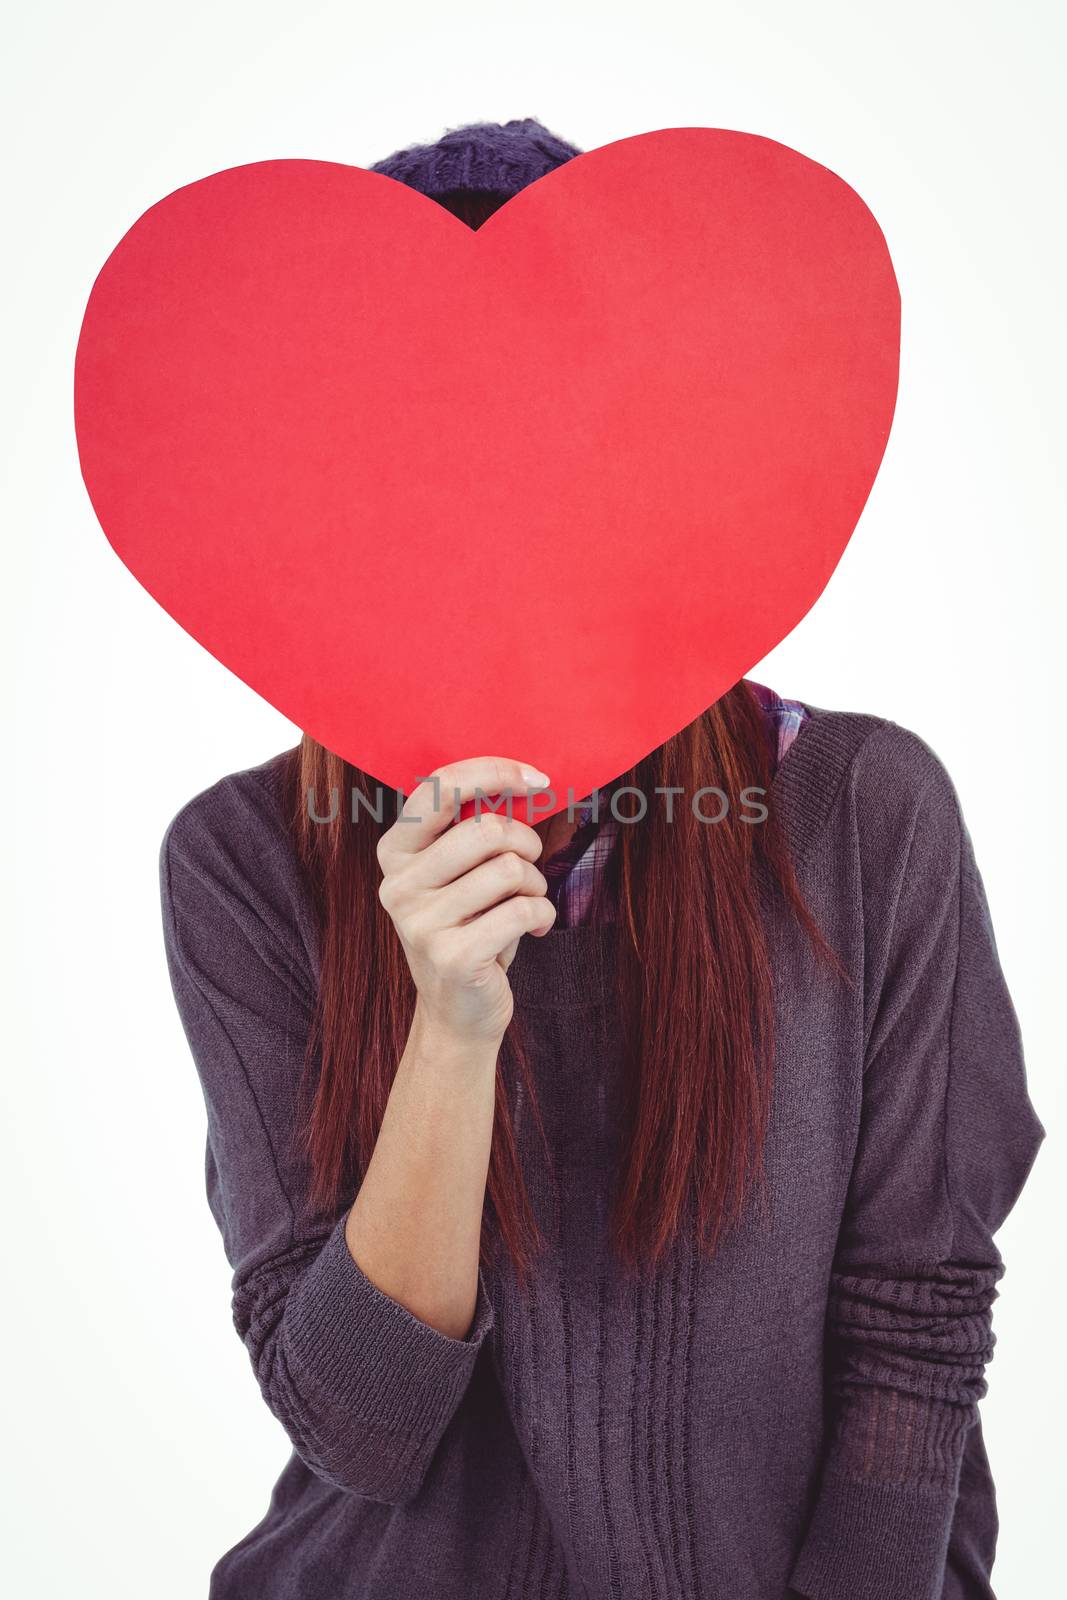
[[434, 1040]]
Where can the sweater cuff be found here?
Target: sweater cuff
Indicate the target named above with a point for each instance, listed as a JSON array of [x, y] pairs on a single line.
[[373, 1356], [875, 1541]]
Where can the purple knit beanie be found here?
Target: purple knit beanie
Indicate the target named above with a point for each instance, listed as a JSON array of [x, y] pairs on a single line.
[[500, 157]]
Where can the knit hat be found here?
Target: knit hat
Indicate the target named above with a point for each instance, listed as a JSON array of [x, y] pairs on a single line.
[[499, 157]]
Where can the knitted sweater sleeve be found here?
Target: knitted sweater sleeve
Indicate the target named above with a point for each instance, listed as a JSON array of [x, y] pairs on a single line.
[[362, 1387], [946, 1139]]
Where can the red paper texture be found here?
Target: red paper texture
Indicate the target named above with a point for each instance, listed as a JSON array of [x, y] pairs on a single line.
[[545, 489]]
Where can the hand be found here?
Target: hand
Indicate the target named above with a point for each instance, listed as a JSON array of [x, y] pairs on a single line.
[[462, 894]]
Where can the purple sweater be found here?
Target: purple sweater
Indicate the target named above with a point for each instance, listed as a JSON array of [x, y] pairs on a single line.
[[797, 1415]]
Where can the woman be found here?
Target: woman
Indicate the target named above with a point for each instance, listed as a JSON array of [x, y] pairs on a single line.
[[648, 1255]]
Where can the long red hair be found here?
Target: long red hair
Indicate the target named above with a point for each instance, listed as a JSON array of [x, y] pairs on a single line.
[[694, 982]]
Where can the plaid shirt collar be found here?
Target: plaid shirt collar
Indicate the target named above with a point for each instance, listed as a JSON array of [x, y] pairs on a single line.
[[575, 872]]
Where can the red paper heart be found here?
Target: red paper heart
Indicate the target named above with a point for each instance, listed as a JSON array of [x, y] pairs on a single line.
[[545, 489]]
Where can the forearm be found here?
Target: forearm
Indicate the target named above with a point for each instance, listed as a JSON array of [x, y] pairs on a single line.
[[415, 1226]]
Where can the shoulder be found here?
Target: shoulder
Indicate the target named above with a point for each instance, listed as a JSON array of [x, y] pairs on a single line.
[[242, 815], [228, 857], [883, 781]]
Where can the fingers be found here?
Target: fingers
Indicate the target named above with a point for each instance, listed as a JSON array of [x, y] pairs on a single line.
[[461, 894], [465, 845], [484, 886], [471, 867], [433, 804], [487, 936]]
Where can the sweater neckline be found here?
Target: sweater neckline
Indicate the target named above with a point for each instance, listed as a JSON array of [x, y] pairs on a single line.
[[573, 966]]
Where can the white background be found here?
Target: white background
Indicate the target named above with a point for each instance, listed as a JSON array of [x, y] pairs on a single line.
[[137, 1447]]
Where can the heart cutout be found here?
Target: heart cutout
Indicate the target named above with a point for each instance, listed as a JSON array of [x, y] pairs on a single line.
[[545, 489]]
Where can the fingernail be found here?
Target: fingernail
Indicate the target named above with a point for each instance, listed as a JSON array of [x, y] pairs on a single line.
[[531, 775]]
